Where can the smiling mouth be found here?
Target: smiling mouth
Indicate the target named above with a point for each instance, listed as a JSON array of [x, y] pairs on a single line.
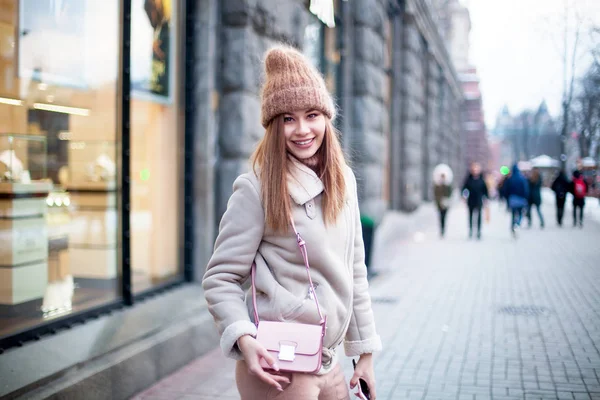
[[303, 142]]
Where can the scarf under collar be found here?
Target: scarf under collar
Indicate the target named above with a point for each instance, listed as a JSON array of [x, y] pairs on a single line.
[[303, 183]]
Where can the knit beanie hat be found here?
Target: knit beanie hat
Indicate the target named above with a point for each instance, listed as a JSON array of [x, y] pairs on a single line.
[[292, 83]]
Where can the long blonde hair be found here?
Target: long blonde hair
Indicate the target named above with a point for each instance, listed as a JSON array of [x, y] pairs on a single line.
[[271, 164]]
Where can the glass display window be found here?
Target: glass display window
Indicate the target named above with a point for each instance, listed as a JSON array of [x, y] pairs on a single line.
[[58, 132], [79, 231]]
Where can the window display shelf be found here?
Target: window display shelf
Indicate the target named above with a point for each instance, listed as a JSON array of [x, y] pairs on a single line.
[[93, 233], [24, 233]]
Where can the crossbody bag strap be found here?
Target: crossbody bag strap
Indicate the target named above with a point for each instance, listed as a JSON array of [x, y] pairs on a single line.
[[302, 247]]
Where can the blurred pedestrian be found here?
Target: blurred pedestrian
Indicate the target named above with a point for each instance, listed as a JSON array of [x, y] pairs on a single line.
[[300, 184], [517, 192], [475, 191], [561, 186], [442, 192], [502, 190], [579, 189], [535, 196]]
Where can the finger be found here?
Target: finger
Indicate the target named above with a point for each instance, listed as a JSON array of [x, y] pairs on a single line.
[[265, 377], [269, 359], [281, 379], [354, 380]]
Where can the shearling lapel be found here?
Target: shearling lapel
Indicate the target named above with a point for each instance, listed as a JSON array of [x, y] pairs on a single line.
[[303, 183]]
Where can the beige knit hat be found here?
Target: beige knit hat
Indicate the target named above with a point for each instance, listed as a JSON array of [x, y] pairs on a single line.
[[292, 83]]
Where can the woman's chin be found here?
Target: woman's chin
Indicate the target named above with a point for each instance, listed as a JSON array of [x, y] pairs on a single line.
[[303, 155]]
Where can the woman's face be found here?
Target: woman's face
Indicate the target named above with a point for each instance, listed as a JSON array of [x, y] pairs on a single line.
[[304, 131]]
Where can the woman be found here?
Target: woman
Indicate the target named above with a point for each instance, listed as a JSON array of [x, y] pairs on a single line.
[[535, 196], [299, 171], [442, 190]]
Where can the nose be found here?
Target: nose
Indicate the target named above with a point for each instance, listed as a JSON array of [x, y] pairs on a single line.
[[302, 128]]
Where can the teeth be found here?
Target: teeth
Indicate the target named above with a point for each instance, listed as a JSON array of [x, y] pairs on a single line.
[[304, 142]]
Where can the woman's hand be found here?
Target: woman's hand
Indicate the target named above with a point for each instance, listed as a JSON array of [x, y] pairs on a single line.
[[253, 351], [364, 370]]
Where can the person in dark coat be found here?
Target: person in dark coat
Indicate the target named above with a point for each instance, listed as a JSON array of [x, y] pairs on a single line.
[[535, 196], [561, 186], [517, 192], [475, 191], [579, 189]]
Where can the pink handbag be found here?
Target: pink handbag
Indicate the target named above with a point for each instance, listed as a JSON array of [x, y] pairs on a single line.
[[296, 347]]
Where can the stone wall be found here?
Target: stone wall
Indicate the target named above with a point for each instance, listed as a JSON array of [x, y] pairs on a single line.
[[426, 97], [432, 125], [447, 128], [249, 27], [414, 112], [457, 140], [369, 116]]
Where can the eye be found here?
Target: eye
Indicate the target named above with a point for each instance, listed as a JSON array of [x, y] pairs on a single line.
[[313, 115], [287, 119]]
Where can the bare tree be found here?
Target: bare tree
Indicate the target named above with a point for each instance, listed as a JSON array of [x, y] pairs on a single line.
[[595, 38], [587, 111], [568, 81]]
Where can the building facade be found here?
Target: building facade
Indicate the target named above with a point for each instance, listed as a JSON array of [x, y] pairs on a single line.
[[123, 126], [475, 135]]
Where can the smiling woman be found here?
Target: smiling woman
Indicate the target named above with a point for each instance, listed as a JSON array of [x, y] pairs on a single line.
[[301, 193]]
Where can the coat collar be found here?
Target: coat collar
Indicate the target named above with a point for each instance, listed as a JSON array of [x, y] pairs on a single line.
[[303, 183]]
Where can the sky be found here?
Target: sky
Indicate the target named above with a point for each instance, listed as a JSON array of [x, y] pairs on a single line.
[[517, 48]]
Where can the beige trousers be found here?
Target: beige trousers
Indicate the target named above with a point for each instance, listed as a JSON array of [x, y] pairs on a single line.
[[331, 386]]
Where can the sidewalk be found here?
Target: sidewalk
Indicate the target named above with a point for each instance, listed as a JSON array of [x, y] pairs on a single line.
[[465, 319]]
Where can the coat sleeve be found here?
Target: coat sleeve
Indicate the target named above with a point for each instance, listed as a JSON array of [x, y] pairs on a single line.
[[240, 233], [464, 187], [361, 337]]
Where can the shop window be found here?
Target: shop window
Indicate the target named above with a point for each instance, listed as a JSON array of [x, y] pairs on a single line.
[[58, 175], [156, 144], [314, 32], [322, 46]]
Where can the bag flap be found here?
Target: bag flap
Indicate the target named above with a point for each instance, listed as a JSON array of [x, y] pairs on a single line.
[[307, 338]]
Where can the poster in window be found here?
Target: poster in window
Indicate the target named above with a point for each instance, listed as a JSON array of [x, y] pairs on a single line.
[[152, 49]]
